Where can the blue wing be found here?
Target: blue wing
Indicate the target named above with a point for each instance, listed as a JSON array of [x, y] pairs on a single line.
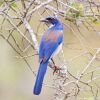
[[48, 47]]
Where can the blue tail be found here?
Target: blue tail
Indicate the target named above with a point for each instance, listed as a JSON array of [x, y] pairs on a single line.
[[40, 77]]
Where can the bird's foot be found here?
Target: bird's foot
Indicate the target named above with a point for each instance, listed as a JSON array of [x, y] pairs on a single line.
[[56, 70]]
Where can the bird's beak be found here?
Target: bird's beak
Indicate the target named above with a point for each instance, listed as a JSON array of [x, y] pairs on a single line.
[[43, 20]]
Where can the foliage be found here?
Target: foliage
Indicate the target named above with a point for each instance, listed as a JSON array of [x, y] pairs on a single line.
[[80, 10]]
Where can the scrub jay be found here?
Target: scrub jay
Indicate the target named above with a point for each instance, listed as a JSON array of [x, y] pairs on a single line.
[[50, 45]]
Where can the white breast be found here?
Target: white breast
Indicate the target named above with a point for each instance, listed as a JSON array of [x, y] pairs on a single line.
[[57, 50]]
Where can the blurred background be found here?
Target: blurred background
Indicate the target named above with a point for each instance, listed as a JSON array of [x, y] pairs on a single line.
[[18, 59]]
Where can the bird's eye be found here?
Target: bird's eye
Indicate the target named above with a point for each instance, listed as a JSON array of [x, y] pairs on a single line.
[[49, 18]]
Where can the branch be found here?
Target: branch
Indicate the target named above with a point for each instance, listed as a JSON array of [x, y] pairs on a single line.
[[38, 7]]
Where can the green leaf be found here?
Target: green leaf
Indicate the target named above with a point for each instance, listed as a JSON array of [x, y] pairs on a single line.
[[1, 2], [76, 14], [14, 4], [96, 21]]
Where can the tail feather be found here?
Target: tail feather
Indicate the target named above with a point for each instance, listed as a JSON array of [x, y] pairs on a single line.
[[40, 77]]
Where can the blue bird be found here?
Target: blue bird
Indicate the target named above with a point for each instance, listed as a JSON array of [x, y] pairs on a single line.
[[50, 45]]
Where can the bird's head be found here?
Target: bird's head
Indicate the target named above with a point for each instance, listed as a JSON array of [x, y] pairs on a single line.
[[50, 19]]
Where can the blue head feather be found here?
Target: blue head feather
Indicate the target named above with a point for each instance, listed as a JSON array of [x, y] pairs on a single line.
[[54, 20]]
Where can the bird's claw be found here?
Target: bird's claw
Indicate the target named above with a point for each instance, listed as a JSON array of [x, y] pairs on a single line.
[[56, 70]]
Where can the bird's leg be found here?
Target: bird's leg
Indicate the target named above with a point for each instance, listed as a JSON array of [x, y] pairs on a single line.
[[52, 61], [56, 68]]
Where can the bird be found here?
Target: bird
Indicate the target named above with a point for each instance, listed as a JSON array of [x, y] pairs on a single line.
[[50, 45]]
